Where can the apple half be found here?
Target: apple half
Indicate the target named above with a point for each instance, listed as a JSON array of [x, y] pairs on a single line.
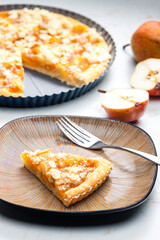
[[125, 104], [147, 76]]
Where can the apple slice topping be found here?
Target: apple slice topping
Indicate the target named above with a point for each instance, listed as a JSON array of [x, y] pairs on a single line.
[[125, 104], [147, 76]]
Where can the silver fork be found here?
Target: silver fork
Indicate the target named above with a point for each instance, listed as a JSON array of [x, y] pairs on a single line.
[[87, 140]]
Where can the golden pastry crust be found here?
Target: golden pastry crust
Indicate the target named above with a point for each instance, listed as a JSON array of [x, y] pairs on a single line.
[[71, 178], [56, 45]]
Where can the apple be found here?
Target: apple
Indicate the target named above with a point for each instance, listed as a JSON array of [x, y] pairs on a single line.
[[125, 104], [147, 76], [145, 41]]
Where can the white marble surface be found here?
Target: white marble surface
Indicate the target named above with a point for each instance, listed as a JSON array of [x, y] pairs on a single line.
[[120, 18]]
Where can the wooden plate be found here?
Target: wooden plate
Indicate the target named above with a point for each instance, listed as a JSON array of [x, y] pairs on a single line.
[[129, 184]]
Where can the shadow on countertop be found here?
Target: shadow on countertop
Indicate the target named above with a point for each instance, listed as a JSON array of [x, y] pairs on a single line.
[[51, 219]]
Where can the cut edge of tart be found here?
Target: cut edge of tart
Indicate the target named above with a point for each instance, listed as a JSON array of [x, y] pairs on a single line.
[[69, 177]]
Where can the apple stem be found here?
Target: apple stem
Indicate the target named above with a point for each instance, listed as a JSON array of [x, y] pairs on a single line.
[[126, 45], [101, 91]]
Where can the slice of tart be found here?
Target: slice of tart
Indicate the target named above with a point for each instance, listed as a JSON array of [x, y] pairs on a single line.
[[11, 71], [71, 178]]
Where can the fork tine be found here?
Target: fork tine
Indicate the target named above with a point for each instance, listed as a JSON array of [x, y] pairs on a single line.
[[74, 130], [87, 134], [73, 139], [71, 132]]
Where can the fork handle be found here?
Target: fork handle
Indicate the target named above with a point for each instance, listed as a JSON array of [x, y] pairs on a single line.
[[147, 156]]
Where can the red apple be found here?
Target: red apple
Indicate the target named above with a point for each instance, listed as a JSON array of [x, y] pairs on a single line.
[[145, 41], [147, 76], [125, 104]]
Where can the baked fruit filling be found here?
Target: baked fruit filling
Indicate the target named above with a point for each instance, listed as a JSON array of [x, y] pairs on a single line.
[[56, 45], [70, 177], [11, 71]]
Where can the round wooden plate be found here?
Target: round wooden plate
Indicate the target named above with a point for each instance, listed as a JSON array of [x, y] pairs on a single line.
[[130, 181]]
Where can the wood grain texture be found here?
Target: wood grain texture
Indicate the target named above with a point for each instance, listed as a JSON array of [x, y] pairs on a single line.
[[130, 181]]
